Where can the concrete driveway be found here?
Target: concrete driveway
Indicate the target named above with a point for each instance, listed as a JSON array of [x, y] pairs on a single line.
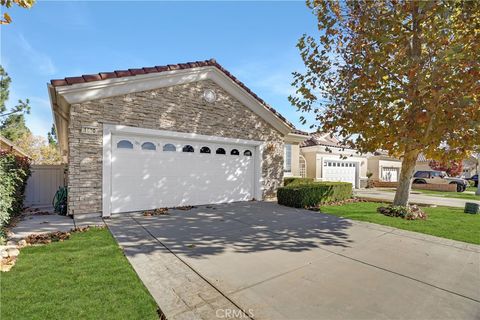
[[265, 261]]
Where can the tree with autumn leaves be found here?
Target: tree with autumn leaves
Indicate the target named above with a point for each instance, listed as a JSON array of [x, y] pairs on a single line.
[[401, 76], [7, 4]]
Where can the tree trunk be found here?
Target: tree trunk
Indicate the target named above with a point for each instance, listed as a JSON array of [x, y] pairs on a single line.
[[406, 174]]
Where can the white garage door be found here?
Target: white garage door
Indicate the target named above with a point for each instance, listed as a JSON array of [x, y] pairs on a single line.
[[150, 173], [390, 174], [337, 170]]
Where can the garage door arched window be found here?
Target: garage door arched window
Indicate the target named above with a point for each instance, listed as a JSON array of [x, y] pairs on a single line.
[[148, 146], [234, 152], [247, 153], [220, 151], [124, 144], [205, 150], [188, 148], [169, 147]]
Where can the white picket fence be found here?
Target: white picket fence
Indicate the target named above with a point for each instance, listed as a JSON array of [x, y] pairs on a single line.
[[43, 183]]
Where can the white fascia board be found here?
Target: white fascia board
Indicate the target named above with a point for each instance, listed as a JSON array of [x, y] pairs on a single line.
[[81, 92], [295, 138], [125, 130]]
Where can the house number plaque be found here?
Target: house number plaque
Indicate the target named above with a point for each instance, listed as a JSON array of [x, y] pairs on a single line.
[[89, 130]]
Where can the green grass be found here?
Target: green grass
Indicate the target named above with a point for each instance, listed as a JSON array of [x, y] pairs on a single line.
[[445, 222], [85, 277]]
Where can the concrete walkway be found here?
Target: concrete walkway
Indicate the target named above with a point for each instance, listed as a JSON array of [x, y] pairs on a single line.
[[41, 224], [414, 198], [275, 262], [45, 223]]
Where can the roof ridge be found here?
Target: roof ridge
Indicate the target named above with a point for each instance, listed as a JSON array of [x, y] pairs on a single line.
[[158, 69]]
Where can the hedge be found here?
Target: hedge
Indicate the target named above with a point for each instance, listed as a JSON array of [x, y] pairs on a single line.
[[313, 194], [290, 180], [14, 172]]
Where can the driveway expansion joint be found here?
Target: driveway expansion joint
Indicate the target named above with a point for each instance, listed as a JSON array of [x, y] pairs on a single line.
[[246, 315]]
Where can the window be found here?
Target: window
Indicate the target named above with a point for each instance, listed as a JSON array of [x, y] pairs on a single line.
[[234, 152], [188, 148], [220, 151], [205, 150], [247, 153], [421, 174], [287, 158], [124, 144], [169, 147], [148, 146]]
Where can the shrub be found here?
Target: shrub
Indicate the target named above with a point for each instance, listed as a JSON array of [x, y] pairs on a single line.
[[313, 194], [290, 180], [14, 172]]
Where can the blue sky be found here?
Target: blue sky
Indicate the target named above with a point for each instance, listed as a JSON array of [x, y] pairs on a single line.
[[253, 40]]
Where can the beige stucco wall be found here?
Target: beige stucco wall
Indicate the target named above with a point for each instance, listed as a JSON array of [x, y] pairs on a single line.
[[310, 159], [375, 165], [421, 165], [178, 108], [295, 159]]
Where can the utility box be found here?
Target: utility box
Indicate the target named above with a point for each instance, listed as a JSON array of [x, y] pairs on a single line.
[[472, 208]]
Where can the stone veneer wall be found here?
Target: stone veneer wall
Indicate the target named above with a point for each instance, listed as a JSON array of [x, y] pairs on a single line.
[[178, 108]]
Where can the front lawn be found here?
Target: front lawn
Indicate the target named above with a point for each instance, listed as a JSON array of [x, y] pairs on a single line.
[[86, 277], [443, 222]]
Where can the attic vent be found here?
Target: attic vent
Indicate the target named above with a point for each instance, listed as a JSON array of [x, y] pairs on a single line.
[[210, 96]]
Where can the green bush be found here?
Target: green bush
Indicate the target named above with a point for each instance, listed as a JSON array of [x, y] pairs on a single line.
[[290, 180], [313, 194], [14, 172]]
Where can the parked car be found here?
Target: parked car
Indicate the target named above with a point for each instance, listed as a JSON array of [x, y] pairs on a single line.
[[438, 177], [474, 178]]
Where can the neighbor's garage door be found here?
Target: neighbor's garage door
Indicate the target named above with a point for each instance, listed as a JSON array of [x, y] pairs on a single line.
[[337, 170], [152, 173]]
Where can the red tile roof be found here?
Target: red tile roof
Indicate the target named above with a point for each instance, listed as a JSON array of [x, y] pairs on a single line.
[[133, 72], [297, 131], [322, 139]]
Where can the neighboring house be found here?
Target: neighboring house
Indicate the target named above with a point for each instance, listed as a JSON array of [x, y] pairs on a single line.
[[384, 167], [184, 134], [327, 160], [470, 165], [8, 145], [422, 163]]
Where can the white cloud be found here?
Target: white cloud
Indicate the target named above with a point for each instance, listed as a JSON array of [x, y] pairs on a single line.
[[42, 62]]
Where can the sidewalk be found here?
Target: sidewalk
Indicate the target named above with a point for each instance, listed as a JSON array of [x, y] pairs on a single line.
[[379, 194]]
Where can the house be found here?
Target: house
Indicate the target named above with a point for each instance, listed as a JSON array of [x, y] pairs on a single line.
[[422, 163], [327, 160], [471, 166], [384, 167], [164, 136], [7, 145]]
